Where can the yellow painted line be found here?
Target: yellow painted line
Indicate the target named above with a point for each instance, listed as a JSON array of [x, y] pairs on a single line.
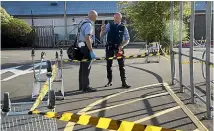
[[126, 103], [158, 114], [70, 125], [196, 130], [195, 120]]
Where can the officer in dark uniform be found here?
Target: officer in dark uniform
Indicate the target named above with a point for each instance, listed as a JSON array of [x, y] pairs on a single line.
[[85, 45], [117, 38]]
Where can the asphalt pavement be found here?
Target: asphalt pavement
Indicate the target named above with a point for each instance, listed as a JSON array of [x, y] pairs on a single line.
[[146, 102]]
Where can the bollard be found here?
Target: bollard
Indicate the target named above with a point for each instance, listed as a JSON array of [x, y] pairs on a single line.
[[61, 52], [6, 103], [32, 52], [51, 94], [32, 55], [49, 67], [57, 55], [52, 99]]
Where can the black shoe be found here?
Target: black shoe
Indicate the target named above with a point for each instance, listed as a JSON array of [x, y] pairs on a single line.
[[108, 84], [124, 85], [89, 89]]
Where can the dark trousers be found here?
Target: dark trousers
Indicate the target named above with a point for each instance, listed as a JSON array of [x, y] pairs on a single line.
[[84, 71], [110, 53]]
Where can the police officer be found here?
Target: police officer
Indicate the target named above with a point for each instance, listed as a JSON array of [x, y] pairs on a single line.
[[85, 44], [117, 38]]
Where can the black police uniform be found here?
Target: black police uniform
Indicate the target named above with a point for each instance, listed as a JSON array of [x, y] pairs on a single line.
[[114, 39]]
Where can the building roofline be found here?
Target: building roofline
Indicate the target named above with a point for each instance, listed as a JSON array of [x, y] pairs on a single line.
[[61, 15]]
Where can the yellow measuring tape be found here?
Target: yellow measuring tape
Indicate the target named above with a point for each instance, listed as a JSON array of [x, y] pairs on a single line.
[[111, 58], [101, 122], [44, 89]]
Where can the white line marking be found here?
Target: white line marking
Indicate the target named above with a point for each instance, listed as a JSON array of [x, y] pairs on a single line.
[[18, 72], [126, 103], [195, 120], [70, 125], [22, 73], [10, 69], [158, 114], [114, 95], [36, 65]]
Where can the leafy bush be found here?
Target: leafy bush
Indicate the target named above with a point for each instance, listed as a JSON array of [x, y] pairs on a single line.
[[15, 32], [5, 17]]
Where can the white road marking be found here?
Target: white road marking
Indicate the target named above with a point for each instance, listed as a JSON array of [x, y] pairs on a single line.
[[158, 114], [70, 125], [18, 72], [194, 119], [126, 103], [10, 69]]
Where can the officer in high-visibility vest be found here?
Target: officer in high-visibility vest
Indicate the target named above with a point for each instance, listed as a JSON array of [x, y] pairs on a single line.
[[117, 38]]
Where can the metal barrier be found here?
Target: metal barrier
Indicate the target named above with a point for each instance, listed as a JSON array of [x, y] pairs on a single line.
[[207, 61], [37, 80], [15, 115]]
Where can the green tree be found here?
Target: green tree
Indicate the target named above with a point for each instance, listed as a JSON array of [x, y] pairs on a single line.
[[151, 19]]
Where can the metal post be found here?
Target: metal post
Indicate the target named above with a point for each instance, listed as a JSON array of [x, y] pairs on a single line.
[[180, 47], [32, 18], [171, 42], [213, 19], [65, 18], [54, 39], [192, 22], [212, 10], [208, 41], [33, 55]]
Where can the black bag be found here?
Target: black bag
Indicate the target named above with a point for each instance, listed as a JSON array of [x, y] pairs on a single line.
[[74, 52]]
